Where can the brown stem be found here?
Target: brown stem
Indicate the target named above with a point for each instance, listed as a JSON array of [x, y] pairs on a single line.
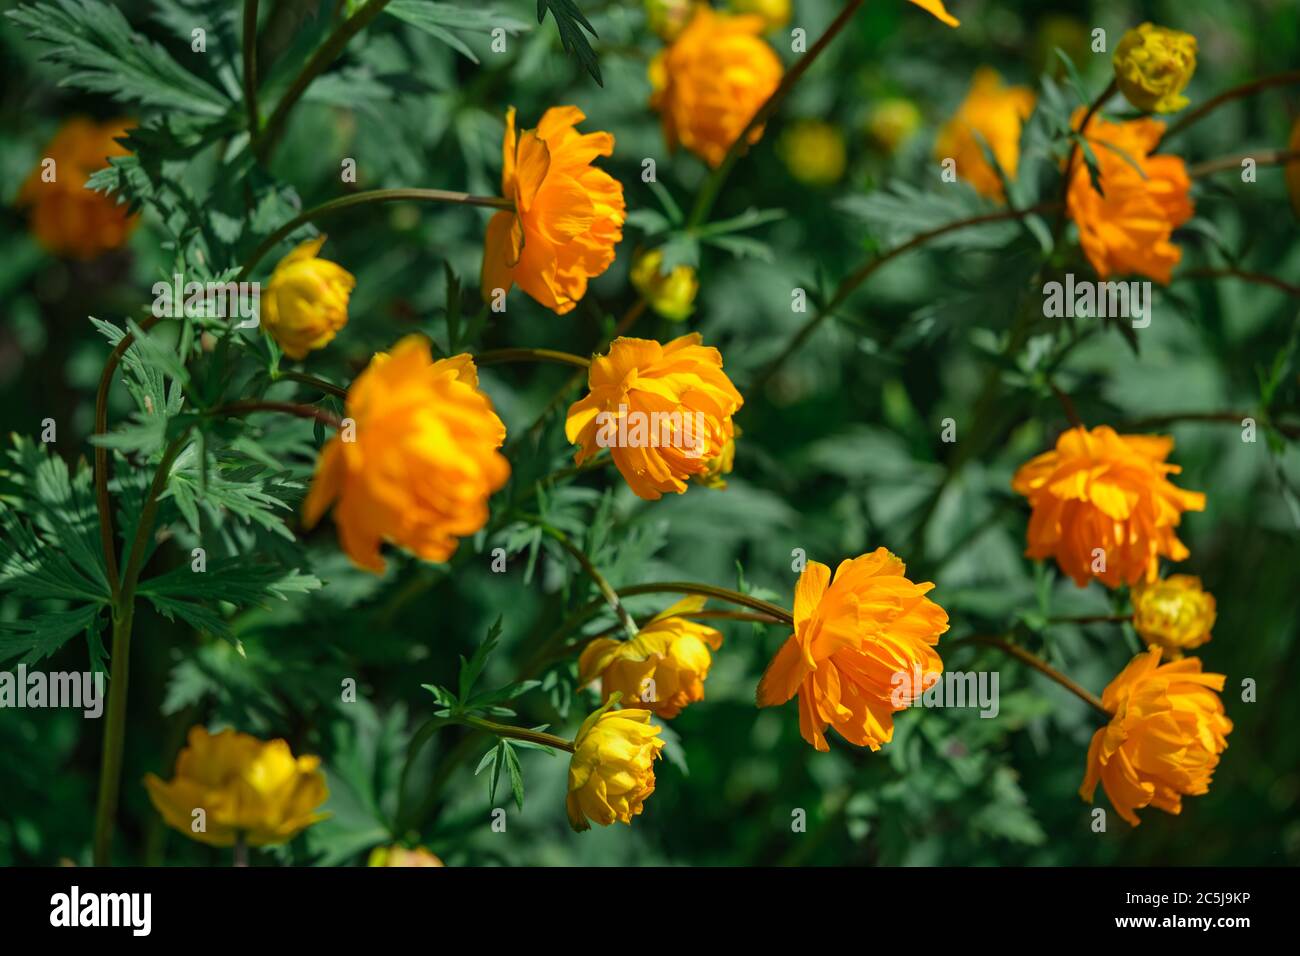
[[1260, 278], [1231, 418], [851, 282], [500, 356], [288, 408], [1237, 92], [1267, 157], [250, 66], [339, 391], [1038, 664]]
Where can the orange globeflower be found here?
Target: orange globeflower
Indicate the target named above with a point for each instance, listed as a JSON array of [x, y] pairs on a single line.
[[862, 648], [1127, 230], [663, 411], [991, 115], [711, 81], [568, 214], [1103, 507], [421, 460], [67, 218], [1164, 740]]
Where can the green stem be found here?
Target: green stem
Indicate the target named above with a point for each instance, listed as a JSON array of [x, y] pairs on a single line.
[[364, 198], [250, 66], [602, 585], [519, 733], [319, 384], [709, 193], [1262, 157], [860, 275], [110, 769], [1040, 665], [289, 408], [500, 356], [1093, 109], [326, 54]]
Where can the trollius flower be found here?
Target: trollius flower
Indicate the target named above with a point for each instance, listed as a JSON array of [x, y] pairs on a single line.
[[711, 81], [991, 115], [1153, 66], [1165, 738], [663, 668], [568, 214], [1127, 230], [422, 463], [305, 302], [612, 770], [68, 219], [663, 411], [1173, 612], [859, 640], [245, 787], [1103, 505]]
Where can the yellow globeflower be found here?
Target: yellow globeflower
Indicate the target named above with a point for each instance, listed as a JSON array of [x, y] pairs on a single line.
[[612, 769], [1153, 66], [671, 295], [775, 13], [862, 649], [305, 302], [1174, 613], [663, 411], [994, 114], [667, 17], [711, 81], [391, 856], [568, 214], [1104, 507], [663, 667], [1165, 738], [419, 462], [718, 467], [893, 122], [814, 152], [68, 219], [244, 786]]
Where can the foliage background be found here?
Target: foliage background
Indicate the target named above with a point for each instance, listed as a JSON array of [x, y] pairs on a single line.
[[840, 454]]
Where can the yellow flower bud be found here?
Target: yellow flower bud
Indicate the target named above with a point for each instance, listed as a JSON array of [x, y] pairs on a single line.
[[389, 856], [672, 295], [814, 152], [775, 13], [612, 770], [667, 17], [663, 667], [1173, 613], [305, 302], [244, 786], [892, 123], [1153, 66]]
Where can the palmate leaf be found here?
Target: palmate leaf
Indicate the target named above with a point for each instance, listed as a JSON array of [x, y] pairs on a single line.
[[444, 20], [185, 594], [94, 42], [36, 638], [571, 23]]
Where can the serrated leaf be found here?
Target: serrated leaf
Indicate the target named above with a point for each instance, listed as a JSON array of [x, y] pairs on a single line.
[[571, 23]]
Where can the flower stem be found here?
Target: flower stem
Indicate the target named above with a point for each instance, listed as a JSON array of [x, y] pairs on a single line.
[[339, 391], [326, 54], [364, 198], [1237, 92], [851, 282], [250, 66], [288, 408], [1040, 665], [713, 185], [602, 585], [1068, 175], [1263, 157], [501, 356], [519, 733]]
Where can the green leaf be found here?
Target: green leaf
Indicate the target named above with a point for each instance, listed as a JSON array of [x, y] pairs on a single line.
[[516, 774], [442, 20], [571, 23], [40, 636], [471, 669], [99, 52]]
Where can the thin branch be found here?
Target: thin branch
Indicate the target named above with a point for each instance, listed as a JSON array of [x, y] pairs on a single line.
[[250, 66], [1038, 664], [339, 391], [361, 199], [519, 733], [1266, 157], [500, 356], [235, 409], [1237, 92], [1288, 429], [1093, 109], [602, 585]]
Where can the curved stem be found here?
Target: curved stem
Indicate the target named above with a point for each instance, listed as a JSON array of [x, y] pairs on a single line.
[[500, 356], [1237, 92], [709, 194], [1092, 619], [1266, 157], [1230, 418], [103, 503], [1040, 665], [1260, 278], [361, 199], [288, 408], [319, 384], [519, 733], [326, 54], [1093, 109], [250, 66], [602, 585], [860, 275], [708, 590], [110, 768]]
